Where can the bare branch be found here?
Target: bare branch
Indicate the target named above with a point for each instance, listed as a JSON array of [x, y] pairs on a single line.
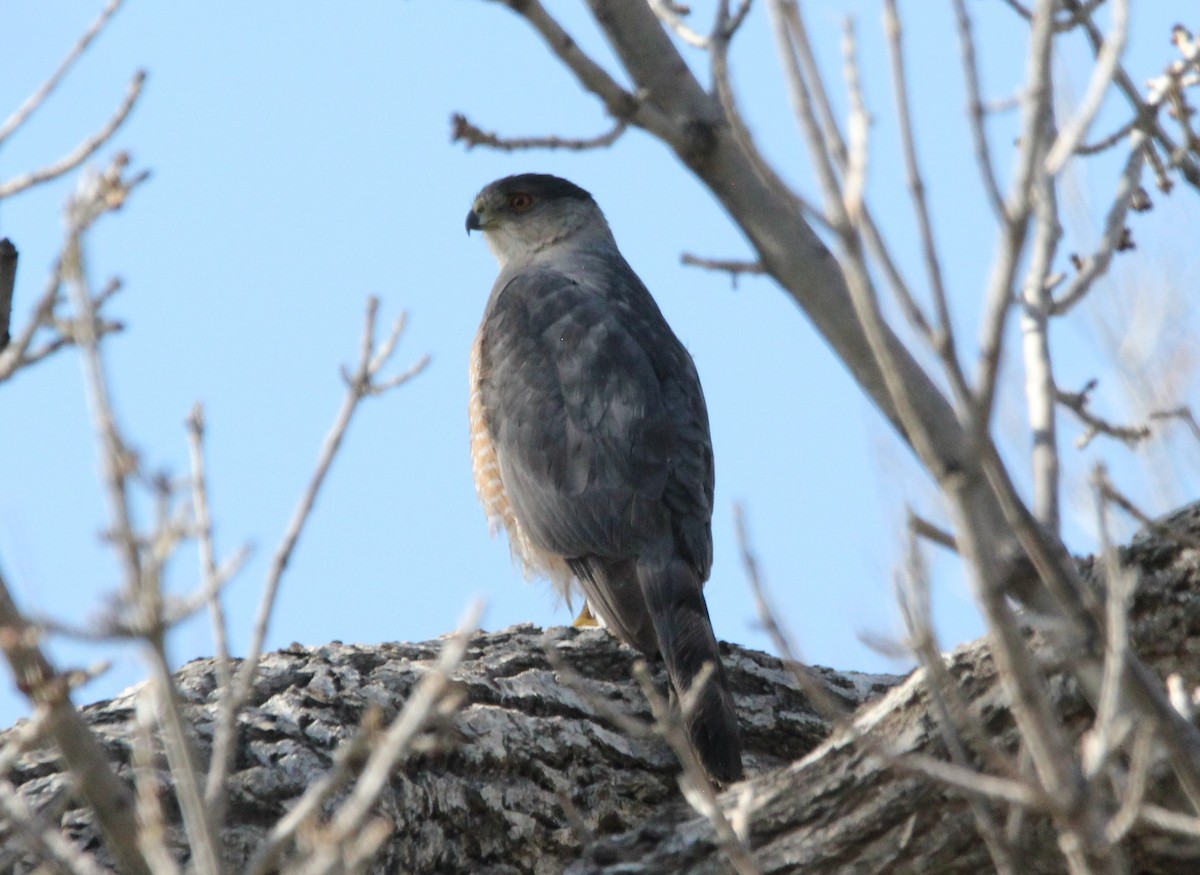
[[1107, 142], [1129, 188], [1132, 802], [35, 100], [825, 145], [670, 16], [1145, 111], [782, 641], [952, 716], [923, 528], [1109, 56], [37, 831], [1183, 413], [1039, 372], [98, 194], [346, 760], [204, 842], [854, 183], [147, 790], [361, 384], [214, 791], [813, 110], [1035, 128], [1111, 724], [974, 785], [462, 129], [976, 111], [733, 267], [95, 779], [84, 150], [1077, 403], [693, 781], [1170, 821], [943, 342], [1077, 605], [619, 102], [433, 696], [719, 52], [1166, 531]]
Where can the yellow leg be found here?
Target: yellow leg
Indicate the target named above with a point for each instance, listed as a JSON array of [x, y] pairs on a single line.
[[586, 618]]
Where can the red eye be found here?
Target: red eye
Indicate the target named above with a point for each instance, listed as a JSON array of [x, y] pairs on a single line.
[[520, 202]]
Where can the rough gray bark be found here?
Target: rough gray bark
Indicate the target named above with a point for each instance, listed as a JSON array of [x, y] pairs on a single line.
[[529, 778], [490, 798]]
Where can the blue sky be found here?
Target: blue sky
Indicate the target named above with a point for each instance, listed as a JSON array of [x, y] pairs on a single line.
[[301, 161]]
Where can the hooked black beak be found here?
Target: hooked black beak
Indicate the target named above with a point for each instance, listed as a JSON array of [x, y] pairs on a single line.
[[473, 222]]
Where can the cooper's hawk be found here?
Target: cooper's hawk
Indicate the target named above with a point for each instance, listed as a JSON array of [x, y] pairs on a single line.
[[590, 441]]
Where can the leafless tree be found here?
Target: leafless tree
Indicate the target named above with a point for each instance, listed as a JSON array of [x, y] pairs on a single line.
[[827, 252], [1065, 740]]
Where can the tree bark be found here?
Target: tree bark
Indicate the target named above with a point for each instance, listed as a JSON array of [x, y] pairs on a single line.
[[531, 777]]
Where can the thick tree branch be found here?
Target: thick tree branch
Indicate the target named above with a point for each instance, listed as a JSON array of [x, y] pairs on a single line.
[[526, 739]]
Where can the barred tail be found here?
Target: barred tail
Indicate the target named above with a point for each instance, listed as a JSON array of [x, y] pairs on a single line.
[[675, 598]]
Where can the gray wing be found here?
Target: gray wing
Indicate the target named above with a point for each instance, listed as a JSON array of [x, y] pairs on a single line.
[[602, 439], [599, 425]]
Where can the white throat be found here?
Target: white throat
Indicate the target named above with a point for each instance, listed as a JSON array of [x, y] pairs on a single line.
[[517, 246]]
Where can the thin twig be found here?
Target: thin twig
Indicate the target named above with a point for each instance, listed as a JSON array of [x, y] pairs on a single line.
[[928, 530], [944, 342], [1183, 413], [1132, 801], [1146, 112], [719, 53], [1036, 123], [214, 795], [1170, 821], [916, 609], [974, 784], [1175, 534], [735, 268], [1077, 403], [347, 759], [619, 102], [1129, 188], [35, 100], [95, 781], [813, 110], [463, 130], [1109, 56], [693, 781], [976, 111], [433, 696], [1075, 602], [84, 150], [97, 194], [37, 831], [153, 829], [361, 384], [672, 19], [1108, 729], [1106, 143], [204, 841], [854, 181], [818, 696]]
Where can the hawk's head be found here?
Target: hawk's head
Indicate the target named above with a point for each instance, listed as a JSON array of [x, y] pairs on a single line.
[[529, 213]]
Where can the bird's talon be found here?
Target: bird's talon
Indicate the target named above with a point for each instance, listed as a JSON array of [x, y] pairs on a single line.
[[586, 619]]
